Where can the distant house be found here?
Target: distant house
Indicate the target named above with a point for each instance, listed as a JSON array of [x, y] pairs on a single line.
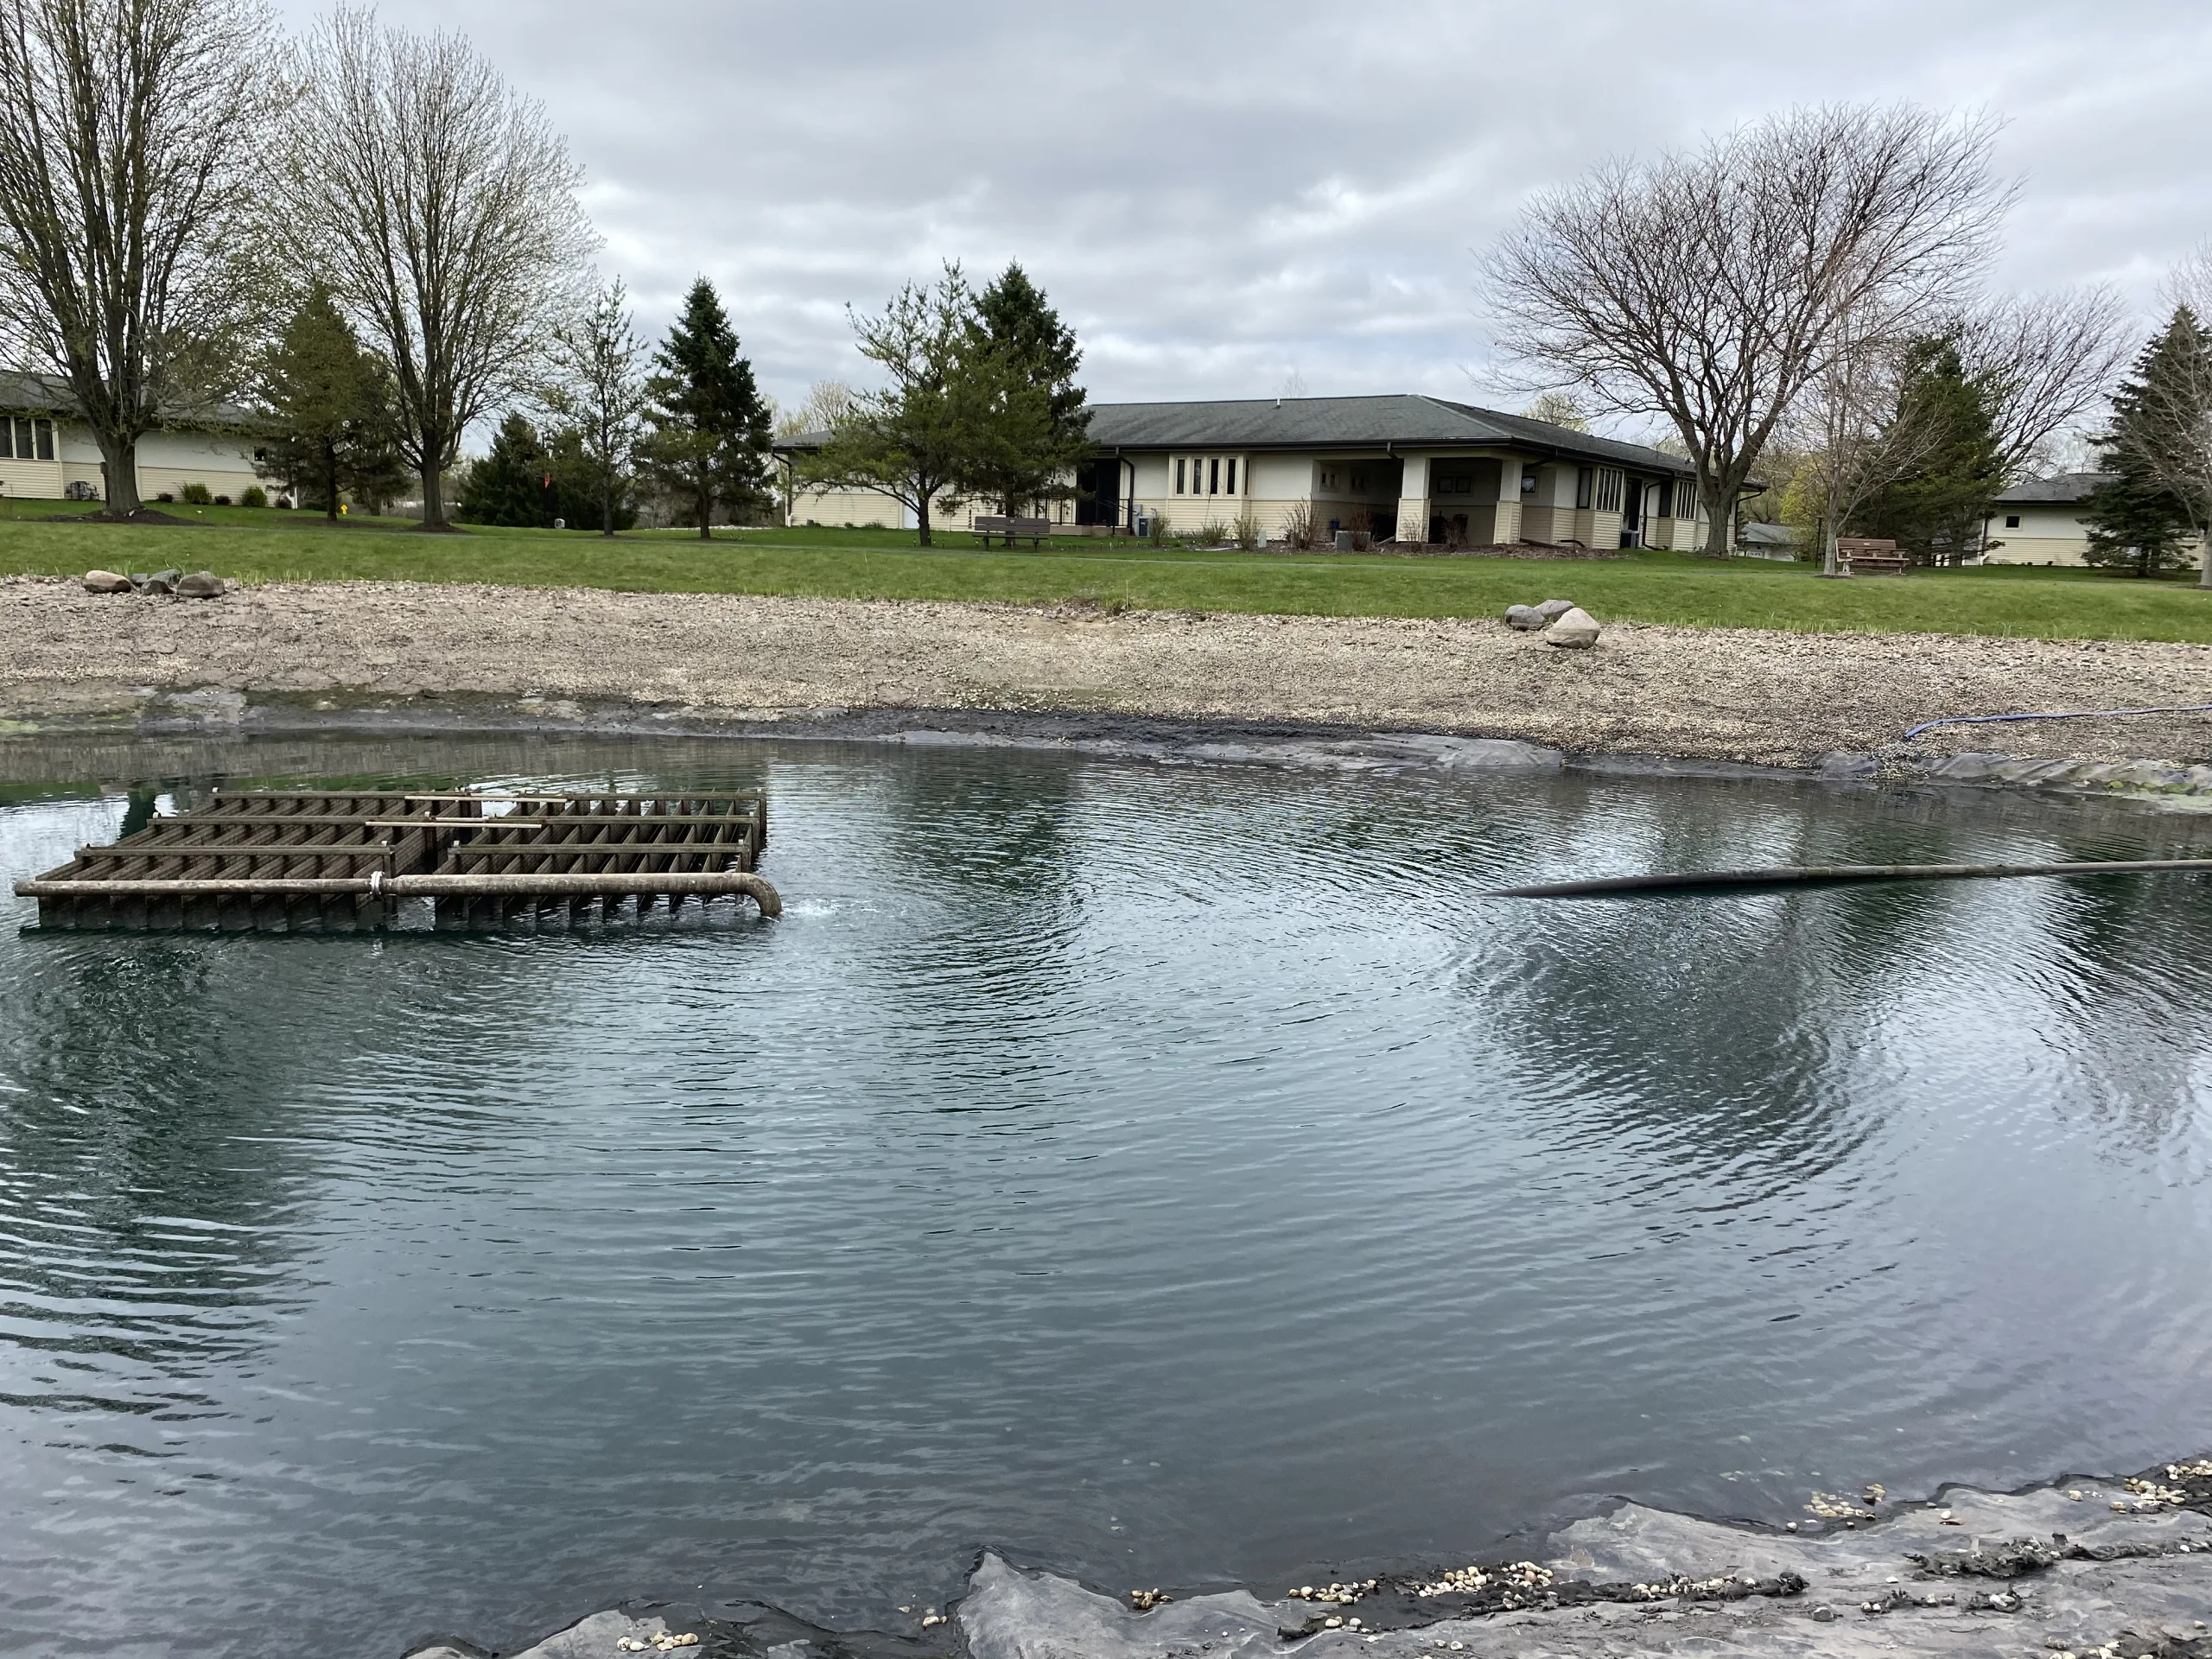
[[1762, 541], [1419, 468], [2040, 522], [46, 451]]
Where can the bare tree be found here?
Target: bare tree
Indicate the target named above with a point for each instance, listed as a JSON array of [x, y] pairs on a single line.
[[1858, 421], [2043, 361], [1707, 289], [127, 132], [827, 403], [443, 208], [1557, 409], [598, 386]]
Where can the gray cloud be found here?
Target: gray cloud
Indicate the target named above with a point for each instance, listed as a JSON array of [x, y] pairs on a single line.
[[1218, 195]]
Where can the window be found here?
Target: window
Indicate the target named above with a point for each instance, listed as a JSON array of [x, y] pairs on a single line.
[[1611, 483], [1451, 483], [1213, 481], [1663, 503], [45, 439], [1527, 480], [7, 440], [1582, 480], [1232, 474], [2011, 521], [1178, 475]]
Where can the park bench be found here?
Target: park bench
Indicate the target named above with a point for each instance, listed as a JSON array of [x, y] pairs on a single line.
[[1035, 529], [1872, 555]]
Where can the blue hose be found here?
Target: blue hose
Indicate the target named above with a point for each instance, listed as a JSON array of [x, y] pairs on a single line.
[[2086, 714]]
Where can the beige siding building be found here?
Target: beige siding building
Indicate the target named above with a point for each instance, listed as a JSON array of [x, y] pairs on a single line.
[[2040, 522], [47, 455], [1415, 469]]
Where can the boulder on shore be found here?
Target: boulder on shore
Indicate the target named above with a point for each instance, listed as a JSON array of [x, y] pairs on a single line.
[[106, 581], [200, 584], [1552, 609], [1574, 630], [1527, 617]]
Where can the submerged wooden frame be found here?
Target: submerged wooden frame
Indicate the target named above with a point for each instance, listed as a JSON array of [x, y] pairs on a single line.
[[326, 860]]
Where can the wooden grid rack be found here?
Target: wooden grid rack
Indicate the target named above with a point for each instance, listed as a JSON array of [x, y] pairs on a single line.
[[329, 859]]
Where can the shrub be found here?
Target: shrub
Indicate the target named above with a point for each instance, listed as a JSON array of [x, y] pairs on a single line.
[[1156, 530], [195, 495], [255, 496], [1212, 533], [165, 496], [222, 500], [1297, 526], [1246, 530]]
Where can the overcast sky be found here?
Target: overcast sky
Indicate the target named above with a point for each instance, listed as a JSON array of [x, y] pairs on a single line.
[[1221, 196]]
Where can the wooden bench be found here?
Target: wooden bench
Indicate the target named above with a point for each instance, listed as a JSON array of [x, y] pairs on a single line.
[[1872, 555], [1035, 529]]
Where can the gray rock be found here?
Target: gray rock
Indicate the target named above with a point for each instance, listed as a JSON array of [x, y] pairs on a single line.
[[106, 581], [1527, 617], [1575, 629], [162, 582], [200, 584], [1552, 609]]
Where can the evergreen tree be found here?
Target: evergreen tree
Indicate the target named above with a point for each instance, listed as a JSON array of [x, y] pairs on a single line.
[[708, 443], [332, 405], [1935, 508], [585, 496], [514, 484], [1038, 428], [2136, 522]]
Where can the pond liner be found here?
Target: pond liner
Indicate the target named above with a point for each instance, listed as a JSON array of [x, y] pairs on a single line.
[[1683, 882], [337, 861]]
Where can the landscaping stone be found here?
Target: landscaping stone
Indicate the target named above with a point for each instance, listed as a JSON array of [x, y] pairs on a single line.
[[1527, 617], [162, 582], [1575, 629], [1552, 609], [106, 581], [200, 584]]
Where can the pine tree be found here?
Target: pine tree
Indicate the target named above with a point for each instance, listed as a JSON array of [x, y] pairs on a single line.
[[514, 484], [708, 443], [1038, 428], [1935, 510], [333, 406], [2135, 522]]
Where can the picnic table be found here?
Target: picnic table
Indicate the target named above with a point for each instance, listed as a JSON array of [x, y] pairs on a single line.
[[1872, 555], [1035, 529]]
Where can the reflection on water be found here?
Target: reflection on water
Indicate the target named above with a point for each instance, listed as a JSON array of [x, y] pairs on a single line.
[[1166, 1174]]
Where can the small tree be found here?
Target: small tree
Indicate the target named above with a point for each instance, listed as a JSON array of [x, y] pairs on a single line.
[[1945, 463], [922, 435], [1038, 430], [599, 390], [513, 484], [127, 264], [709, 443], [332, 404], [2140, 519]]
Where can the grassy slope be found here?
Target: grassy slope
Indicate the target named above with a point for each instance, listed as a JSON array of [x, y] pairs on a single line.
[[269, 545]]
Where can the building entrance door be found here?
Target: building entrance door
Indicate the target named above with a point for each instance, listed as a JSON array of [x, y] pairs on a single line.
[[1632, 514]]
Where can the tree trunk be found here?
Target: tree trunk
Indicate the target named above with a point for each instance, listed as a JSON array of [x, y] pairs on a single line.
[[330, 481], [1719, 520], [1831, 555], [434, 498], [922, 516], [119, 467], [606, 501]]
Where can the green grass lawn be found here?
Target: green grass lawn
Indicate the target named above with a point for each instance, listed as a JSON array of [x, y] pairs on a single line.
[[269, 545]]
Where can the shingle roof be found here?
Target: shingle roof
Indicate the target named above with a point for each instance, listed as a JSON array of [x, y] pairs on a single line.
[[22, 392], [1399, 419], [2061, 490]]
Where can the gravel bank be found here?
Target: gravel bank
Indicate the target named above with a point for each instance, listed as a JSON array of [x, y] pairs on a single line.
[[1741, 696]]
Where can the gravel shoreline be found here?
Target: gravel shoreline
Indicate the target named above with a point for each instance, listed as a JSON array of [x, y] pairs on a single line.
[[1749, 696]]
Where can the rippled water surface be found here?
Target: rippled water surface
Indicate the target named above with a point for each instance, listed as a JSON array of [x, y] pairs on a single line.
[[1167, 1175]]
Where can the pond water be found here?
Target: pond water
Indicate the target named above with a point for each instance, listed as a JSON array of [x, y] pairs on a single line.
[[1165, 1174]]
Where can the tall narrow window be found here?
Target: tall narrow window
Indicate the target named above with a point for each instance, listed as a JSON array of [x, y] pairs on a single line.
[[1213, 486], [1178, 474], [7, 440], [1232, 474], [1582, 478], [46, 440]]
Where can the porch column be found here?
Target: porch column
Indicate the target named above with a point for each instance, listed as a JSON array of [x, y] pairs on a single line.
[[1412, 500]]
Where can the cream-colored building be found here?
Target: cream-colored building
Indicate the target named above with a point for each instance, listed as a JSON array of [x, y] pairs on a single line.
[[46, 453], [1413, 468], [2040, 522]]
